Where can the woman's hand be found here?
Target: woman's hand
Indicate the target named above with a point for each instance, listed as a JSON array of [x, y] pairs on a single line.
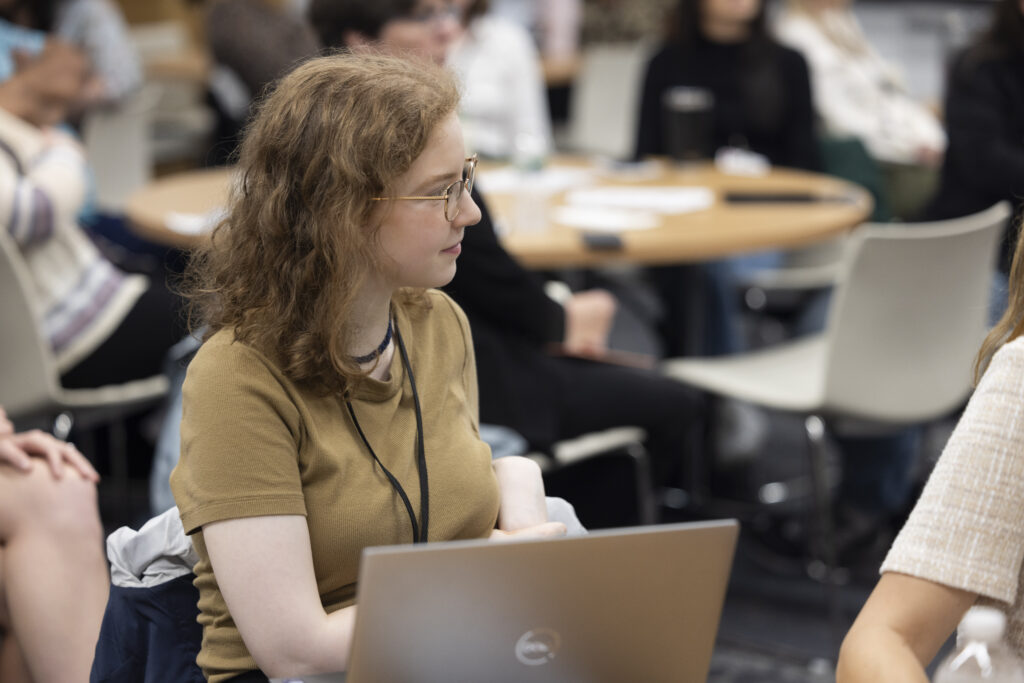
[[588, 322], [522, 493], [18, 450], [545, 530]]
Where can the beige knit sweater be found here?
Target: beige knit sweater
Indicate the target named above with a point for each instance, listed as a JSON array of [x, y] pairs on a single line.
[[967, 529]]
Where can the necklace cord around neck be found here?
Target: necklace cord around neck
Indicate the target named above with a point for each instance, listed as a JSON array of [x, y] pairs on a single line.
[[419, 530], [379, 350]]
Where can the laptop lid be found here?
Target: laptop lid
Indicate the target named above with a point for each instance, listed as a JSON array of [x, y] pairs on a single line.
[[640, 604]]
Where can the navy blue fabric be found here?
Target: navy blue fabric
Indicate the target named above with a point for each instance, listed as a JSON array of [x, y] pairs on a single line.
[[150, 635]]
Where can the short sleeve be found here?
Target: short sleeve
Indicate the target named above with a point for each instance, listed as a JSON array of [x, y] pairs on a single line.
[[240, 437], [967, 529], [469, 379]]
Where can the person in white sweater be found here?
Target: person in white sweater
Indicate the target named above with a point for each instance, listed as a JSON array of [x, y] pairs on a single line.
[[103, 325], [504, 110], [856, 92]]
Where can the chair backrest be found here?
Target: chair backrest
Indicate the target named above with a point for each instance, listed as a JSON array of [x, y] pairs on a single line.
[[909, 314], [605, 98], [28, 371]]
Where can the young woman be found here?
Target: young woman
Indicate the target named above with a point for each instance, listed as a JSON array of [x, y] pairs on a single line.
[[333, 405], [761, 90], [53, 576], [760, 101], [964, 541]]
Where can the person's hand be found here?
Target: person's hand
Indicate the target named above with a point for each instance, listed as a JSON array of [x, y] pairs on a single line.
[[17, 450], [46, 86], [588, 321], [545, 530]]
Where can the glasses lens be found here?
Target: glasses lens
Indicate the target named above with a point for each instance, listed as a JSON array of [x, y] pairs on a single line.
[[451, 204]]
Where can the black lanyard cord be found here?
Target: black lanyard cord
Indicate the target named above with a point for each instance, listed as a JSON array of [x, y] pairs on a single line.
[[419, 535]]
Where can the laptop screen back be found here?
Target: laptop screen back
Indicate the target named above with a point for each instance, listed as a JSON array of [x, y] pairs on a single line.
[[639, 604]]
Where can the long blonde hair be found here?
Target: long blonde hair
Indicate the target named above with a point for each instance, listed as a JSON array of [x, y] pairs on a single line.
[[283, 269], [1011, 325]]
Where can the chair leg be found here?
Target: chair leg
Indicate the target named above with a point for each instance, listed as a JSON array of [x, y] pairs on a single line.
[[824, 569], [647, 508]]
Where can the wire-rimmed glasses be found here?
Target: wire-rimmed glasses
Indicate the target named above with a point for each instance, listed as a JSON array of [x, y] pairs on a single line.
[[453, 193]]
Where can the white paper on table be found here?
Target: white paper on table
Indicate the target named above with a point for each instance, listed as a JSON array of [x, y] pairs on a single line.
[[194, 223], [509, 180], [664, 200], [602, 219]]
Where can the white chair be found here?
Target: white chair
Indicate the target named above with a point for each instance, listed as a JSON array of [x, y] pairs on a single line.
[[31, 382], [605, 99], [30, 386], [909, 311], [815, 266]]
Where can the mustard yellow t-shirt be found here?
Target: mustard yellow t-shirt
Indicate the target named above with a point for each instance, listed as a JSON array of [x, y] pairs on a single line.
[[254, 443]]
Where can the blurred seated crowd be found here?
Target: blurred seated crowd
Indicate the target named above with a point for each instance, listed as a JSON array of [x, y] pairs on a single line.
[[798, 83]]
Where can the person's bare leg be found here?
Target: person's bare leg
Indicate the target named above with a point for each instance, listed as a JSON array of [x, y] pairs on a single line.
[[54, 571], [12, 664]]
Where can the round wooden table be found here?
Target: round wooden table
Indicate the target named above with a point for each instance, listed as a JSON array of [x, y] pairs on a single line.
[[722, 229]]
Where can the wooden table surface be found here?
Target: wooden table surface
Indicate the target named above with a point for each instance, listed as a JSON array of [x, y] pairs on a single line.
[[723, 229]]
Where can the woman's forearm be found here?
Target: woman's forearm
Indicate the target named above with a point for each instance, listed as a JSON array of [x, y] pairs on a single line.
[[323, 648], [879, 655], [522, 493]]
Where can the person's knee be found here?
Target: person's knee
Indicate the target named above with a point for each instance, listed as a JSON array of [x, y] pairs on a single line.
[[65, 507]]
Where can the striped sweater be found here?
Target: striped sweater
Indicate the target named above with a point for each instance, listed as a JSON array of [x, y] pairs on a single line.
[[79, 296]]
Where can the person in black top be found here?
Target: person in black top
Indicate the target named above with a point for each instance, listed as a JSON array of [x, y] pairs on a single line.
[[545, 397], [984, 162], [761, 90], [761, 102]]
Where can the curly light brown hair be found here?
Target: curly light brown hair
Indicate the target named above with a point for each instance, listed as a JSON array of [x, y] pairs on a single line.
[[284, 267]]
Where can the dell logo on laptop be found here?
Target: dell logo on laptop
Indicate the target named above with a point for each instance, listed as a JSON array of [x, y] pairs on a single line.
[[538, 646]]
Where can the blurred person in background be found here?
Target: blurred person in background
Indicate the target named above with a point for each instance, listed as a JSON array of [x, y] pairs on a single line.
[[761, 101], [761, 90], [858, 94], [53, 575], [103, 325], [96, 27], [253, 43], [984, 107], [504, 108], [760, 97]]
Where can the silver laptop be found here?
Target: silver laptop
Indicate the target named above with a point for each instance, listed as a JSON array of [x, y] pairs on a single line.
[[636, 604]]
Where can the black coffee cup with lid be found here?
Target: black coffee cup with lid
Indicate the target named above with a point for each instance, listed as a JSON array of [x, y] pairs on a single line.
[[688, 119]]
